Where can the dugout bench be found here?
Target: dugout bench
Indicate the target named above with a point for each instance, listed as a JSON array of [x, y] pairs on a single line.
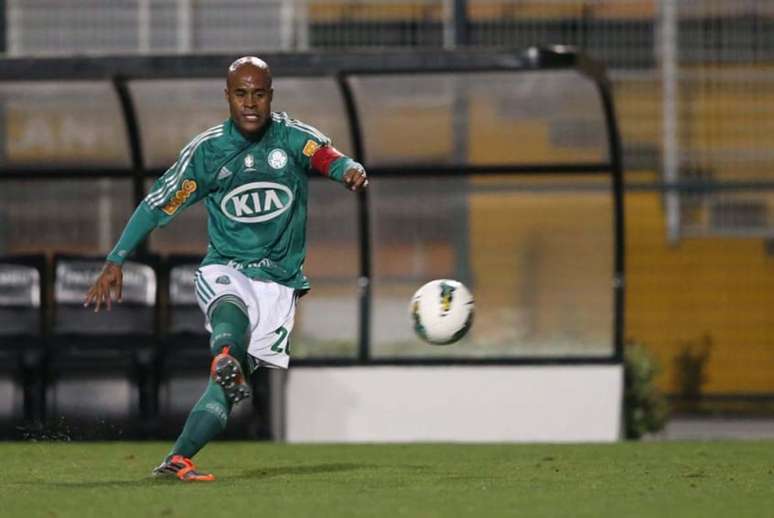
[[99, 372], [132, 372], [22, 290]]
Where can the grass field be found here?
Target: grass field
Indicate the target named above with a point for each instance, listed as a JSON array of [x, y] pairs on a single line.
[[661, 479]]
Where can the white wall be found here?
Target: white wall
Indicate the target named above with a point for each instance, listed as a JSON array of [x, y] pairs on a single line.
[[466, 404]]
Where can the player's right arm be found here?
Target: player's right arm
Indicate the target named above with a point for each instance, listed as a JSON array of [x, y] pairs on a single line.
[[181, 186]]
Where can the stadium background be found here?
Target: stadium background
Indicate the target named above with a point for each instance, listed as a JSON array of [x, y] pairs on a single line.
[[693, 92]]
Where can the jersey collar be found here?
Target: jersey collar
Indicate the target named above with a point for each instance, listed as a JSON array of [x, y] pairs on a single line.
[[235, 135]]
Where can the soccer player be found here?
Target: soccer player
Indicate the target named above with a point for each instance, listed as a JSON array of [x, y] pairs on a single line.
[[251, 173]]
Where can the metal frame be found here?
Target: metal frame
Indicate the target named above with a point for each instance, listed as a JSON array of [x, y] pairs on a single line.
[[341, 67]]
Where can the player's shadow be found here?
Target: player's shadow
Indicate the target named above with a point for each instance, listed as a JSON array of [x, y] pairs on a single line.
[[314, 469], [147, 482], [262, 473]]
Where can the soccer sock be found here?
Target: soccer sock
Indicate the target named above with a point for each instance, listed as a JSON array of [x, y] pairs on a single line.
[[230, 327], [209, 416], [207, 419]]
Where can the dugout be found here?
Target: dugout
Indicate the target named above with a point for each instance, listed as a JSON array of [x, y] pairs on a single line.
[[500, 169], [22, 285]]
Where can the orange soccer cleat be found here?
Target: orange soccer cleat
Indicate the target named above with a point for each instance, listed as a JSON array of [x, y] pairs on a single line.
[[182, 468], [226, 372]]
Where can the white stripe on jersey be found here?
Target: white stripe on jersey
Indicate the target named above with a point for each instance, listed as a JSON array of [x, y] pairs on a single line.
[[169, 179], [306, 128], [170, 176], [157, 197], [173, 182]]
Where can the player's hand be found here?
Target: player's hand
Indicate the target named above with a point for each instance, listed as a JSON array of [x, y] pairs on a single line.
[[355, 179], [106, 288]]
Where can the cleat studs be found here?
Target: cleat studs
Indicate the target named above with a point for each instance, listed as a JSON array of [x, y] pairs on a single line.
[[228, 375]]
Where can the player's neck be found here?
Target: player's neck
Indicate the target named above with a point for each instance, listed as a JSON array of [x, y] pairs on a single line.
[[255, 136]]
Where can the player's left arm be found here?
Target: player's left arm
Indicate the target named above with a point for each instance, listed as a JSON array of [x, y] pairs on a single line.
[[331, 162], [315, 151]]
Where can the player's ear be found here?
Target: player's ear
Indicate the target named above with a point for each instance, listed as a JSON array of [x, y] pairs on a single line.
[[271, 94], [225, 93]]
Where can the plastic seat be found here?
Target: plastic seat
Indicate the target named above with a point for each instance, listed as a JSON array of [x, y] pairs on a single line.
[[101, 365], [185, 327], [22, 286]]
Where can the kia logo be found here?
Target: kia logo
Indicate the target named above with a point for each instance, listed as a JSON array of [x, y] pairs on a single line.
[[257, 201]]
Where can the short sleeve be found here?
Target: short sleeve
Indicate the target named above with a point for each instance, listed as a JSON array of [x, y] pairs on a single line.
[[303, 141]]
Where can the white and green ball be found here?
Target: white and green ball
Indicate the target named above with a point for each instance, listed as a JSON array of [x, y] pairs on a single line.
[[442, 311]]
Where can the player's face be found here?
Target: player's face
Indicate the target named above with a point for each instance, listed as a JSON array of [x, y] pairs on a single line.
[[249, 94]]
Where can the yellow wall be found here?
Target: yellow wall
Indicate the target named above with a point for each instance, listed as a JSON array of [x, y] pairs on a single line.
[[542, 263], [552, 253], [720, 287]]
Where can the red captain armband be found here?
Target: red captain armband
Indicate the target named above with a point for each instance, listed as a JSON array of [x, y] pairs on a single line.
[[323, 158]]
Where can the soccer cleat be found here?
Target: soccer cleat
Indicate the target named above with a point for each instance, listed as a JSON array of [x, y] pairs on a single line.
[[226, 372], [182, 468]]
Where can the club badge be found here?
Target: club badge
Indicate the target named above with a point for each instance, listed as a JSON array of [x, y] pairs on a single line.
[[277, 158]]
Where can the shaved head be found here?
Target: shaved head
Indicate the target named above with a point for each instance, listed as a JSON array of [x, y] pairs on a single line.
[[248, 61], [249, 94]]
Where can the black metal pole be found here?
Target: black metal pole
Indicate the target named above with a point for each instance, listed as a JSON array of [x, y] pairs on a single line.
[[364, 225], [135, 144], [3, 49], [3, 27], [461, 33], [616, 159]]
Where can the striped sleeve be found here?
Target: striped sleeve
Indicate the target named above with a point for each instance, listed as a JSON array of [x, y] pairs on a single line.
[[180, 186], [168, 187]]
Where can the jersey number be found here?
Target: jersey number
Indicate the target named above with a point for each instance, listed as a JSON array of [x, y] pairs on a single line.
[[277, 346]]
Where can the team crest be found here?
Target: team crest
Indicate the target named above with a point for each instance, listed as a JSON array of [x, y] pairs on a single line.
[[223, 279], [249, 161], [277, 158]]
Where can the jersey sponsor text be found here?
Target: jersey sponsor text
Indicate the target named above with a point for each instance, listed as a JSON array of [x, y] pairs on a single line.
[[188, 187], [256, 202]]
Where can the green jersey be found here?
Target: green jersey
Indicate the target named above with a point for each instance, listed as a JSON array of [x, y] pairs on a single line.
[[255, 192]]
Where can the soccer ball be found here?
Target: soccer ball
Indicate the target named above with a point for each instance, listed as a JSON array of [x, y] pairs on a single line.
[[442, 311]]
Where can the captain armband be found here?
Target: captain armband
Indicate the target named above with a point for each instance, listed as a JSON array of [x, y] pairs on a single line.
[[323, 159]]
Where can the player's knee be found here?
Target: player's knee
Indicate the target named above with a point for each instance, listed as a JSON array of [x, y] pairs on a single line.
[[229, 309]]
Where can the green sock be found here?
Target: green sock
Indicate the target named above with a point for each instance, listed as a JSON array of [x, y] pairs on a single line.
[[209, 415], [207, 419], [230, 327]]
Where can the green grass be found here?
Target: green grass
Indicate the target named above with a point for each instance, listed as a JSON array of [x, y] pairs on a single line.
[[445, 480]]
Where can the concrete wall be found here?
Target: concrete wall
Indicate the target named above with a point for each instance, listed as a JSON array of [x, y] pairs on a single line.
[[466, 404]]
